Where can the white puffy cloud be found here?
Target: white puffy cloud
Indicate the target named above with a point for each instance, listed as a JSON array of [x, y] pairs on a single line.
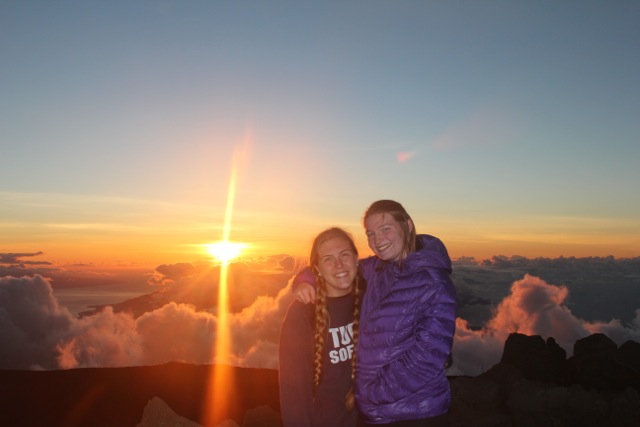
[[533, 307], [31, 323], [37, 332]]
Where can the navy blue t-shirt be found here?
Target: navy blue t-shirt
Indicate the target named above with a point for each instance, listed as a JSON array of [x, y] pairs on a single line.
[[299, 408]]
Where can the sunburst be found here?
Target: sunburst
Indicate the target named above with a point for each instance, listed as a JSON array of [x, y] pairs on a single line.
[[224, 250]]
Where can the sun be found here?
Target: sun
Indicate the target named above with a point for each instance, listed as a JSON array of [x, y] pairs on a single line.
[[224, 250]]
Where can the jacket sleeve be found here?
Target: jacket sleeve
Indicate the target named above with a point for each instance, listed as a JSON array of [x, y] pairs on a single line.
[[424, 361], [296, 367], [304, 275]]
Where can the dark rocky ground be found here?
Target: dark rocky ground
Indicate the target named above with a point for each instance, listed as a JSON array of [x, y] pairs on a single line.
[[116, 397], [533, 385], [536, 385]]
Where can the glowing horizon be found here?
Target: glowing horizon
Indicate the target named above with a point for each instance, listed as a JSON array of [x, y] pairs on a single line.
[[269, 236]]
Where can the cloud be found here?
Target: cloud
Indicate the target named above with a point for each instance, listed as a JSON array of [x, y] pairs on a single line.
[[169, 273], [12, 264], [474, 351], [175, 332], [537, 308], [256, 330], [600, 288], [404, 156], [103, 340], [31, 323], [533, 307], [37, 333], [15, 258]]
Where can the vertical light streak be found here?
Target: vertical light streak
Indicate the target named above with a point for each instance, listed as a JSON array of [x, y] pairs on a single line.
[[221, 388]]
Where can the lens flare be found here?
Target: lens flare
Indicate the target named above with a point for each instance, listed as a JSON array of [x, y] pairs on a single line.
[[219, 398]]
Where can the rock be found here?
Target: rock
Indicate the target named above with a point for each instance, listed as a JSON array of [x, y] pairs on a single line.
[[228, 423], [527, 397], [625, 409], [504, 374], [595, 345], [601, 365], [586, 407], [605, 392], [536, 359], [158, 414], [262, 416], [477, 402], [535, 385], [533, 403], [628, 355]]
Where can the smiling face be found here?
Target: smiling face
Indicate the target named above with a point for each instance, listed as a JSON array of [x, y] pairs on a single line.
[[386, 236], [338, 265]]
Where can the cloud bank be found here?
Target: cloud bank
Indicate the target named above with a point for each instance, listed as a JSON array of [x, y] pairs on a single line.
[[533, 307], [38, 333]]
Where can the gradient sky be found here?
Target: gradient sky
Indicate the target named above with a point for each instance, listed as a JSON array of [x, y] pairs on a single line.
[[504, 127]]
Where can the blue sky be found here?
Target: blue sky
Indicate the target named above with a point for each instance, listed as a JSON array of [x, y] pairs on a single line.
[[504, 127]]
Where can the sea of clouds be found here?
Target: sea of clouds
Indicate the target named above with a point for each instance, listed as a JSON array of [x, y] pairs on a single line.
[[497, 297]]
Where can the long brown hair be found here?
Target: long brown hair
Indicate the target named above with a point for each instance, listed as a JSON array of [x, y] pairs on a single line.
[[398, 212], [321, 312]]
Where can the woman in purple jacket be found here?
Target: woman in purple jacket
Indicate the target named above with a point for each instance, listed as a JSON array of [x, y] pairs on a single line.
[[407, 322]]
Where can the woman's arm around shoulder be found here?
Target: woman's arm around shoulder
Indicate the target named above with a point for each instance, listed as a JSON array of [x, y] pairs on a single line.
[[303, 286]]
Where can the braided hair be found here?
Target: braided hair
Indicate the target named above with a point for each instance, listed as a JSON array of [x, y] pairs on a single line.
[[321, 312]]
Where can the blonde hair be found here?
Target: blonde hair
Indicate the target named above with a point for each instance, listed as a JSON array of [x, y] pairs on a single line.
[[322, 314]]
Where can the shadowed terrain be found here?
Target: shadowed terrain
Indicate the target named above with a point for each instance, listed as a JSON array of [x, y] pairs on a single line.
[[534, 384], [95, 397]]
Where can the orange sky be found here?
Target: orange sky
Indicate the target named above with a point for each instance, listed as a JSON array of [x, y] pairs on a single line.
[[170, 240], [118, 146]]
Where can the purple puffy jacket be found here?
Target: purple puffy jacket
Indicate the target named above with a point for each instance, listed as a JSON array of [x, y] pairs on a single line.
[[407, 325]]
